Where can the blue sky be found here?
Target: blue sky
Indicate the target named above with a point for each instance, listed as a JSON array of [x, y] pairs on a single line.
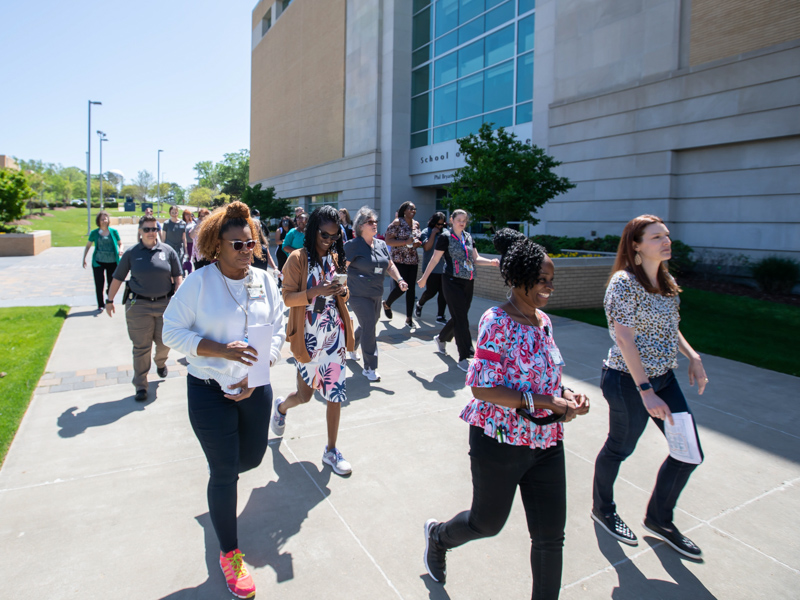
[[172, 74]]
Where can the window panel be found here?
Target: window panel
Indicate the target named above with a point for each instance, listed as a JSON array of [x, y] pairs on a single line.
[[446, 43], [500, 45], [420, 112], [501, 14], [421, 80], [500, 118], [464, 128], [420, 4], [470, 31], [525, 113], [498, 88], [421, 29], [525, 77], [419, 139], [470, 96], [420, 56], [470, 58], [526, 5], [469, 9], [444, 104], [446, 69], [446, 16], [525, 37], [492, 3], [444, 134]]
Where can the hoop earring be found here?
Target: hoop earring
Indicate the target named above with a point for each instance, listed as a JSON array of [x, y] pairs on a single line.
[[508, 294], [637, 260]]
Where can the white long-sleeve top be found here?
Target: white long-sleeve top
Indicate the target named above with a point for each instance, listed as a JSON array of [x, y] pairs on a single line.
[[203, 308]]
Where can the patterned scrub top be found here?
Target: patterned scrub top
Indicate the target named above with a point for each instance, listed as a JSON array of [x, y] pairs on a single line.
[[655, 319], [518, 357], [403, 231]]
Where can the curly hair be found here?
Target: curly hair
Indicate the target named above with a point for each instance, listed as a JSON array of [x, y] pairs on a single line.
[[520, 258], [321, 216], [235, 214]]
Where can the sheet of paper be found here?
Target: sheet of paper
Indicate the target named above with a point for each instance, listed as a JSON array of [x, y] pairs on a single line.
[[260, 338], [681, 439]]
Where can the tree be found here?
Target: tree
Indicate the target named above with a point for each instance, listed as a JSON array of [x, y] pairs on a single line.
[[128, 191], [200, 196], [14, 193], [178, 193], [159, 190], [504, 180], [142, 183], [207, 175], [234, 173], [267, 203]]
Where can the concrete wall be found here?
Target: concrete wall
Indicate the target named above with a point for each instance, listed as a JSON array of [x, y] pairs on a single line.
[[24, 244]]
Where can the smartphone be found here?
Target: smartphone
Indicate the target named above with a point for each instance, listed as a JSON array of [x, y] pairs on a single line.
[[340, 278]]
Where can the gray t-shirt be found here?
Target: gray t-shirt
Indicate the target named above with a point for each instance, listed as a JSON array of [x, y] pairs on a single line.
[[367, 266], [174, 235], [151, 270], [427, 255]]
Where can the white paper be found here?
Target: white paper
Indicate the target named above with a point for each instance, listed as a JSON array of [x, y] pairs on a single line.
[[682, 439], [260, 338]]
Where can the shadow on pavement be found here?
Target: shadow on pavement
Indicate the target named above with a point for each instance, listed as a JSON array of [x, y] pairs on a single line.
[[84, 313], [436, 590], [437, 384]]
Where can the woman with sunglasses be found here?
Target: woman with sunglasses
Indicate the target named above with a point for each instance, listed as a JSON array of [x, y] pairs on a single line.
[[209, 320], [368, 263], [319, 330], [516, 422], [428, 240]]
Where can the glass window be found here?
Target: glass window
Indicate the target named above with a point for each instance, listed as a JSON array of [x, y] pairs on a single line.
[[492, 3], [420, 4], [446, 43], [470, 58], [266, 22], [421, 80], [464, 128], [470, 31], [421, 29], [470, 9], [420, 112], [446, 16], [525, 37], [526, 5], [498, 87], [499, 15], [420, 56], [470, 96], [446, 69], [322, 199], [285, 4], [444, 104], [500, 118], [525, 113], [500, 45], [443, 134], [525, 77], [419, 139]]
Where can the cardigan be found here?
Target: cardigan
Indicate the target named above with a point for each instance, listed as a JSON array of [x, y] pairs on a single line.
[[115, 240], [295, 281]]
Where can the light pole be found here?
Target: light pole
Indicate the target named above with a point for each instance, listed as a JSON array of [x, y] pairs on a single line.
[[89, 172], [103, 138], [158, 182]]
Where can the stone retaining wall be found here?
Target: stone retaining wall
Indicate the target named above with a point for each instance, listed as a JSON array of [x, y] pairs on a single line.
[[24, 244]]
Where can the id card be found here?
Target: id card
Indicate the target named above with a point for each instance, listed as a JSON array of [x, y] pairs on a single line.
[[378, 270], [255, 291], [555, 356]]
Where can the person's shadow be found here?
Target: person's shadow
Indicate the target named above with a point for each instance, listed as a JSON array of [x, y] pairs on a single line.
[[437, 384], [274, 513], [633, 585]]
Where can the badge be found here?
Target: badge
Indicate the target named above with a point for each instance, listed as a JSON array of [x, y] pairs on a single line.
[[378, 270], [255, 291], [162, 256], [555, 356]]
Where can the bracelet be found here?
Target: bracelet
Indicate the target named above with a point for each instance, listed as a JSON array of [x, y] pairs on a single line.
[[109, 301], [527, 401]]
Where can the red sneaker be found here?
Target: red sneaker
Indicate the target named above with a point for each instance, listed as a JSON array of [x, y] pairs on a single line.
[[239, 581]]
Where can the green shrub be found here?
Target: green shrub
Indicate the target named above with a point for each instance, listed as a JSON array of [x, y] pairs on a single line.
[[681, 262], [776, 274]]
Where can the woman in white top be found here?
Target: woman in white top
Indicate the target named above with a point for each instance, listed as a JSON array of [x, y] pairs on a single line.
[[209, 322]]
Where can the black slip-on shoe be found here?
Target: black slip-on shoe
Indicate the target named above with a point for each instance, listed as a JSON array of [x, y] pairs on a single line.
[[435, 555], [387, 310], [418, 310], [674, 538], [615, 527], [162, 371], [141, 395]]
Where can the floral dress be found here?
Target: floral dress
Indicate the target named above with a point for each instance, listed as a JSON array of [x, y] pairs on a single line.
[[325, 341]]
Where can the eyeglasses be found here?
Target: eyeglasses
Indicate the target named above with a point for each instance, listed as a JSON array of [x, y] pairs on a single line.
[[370, 222], [440, 224], [239, 244], [149, 229], [328, 236]]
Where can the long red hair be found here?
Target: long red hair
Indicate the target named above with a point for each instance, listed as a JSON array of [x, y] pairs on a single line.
[[632, 234]]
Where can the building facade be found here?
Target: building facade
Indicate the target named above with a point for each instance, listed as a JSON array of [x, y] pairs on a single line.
[[689, 109]]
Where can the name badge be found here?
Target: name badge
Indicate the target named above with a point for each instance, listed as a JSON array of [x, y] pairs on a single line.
[[378, 270], [255, 291], [555, 356], [162, 256]]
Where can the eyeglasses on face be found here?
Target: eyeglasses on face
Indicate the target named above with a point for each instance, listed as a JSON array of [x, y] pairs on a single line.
[[149, 229], [328, 236], [239, 244], [370, 222], [440, 224]]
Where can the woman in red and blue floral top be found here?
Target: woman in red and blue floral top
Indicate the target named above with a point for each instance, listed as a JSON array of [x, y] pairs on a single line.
[[516, 422]]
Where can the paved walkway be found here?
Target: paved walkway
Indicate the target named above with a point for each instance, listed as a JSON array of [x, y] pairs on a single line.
[[101, 495]]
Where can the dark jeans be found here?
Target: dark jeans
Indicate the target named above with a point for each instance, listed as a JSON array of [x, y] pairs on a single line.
[[409, 273], [105, 269], [234, 439], [627, 419], [458, 293], [433, 287], [497, 470]]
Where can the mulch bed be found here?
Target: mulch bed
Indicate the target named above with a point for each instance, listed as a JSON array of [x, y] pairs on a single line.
[[736, 289]]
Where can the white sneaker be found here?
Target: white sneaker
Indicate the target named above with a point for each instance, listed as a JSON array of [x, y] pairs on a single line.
[[354, 356], [335, 459], [278, 420], [441, 347], [464, 364], [371, 375]]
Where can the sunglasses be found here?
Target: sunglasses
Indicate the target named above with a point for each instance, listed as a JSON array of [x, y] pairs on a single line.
[[440, 224], [370, 222], [328, 236], [239, 244], [149, 229]]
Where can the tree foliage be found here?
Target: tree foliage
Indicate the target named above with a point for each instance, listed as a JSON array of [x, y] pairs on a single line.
[[265, 200], [200, 196], [504, 180], [15, 191], [142, 183], [231, 176]]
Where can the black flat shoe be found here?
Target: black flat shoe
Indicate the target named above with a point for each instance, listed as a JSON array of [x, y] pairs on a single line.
[[141, 395], [615, 527], [387, 310], [674, 538]]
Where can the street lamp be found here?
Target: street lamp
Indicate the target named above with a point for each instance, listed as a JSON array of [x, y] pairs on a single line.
[[158, 182], [103, 138], [89, 172]]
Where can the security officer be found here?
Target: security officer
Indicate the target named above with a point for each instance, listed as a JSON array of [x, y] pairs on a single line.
[[155, 275]]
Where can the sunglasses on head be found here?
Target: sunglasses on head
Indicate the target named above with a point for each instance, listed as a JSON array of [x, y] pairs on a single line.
[[239, 244], [149, 229], [328, 236]]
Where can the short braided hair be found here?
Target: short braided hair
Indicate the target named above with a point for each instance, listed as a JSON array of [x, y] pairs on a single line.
[[521, 258]]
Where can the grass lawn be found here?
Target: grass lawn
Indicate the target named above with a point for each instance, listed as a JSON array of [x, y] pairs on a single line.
[[68, 227], [751, 331], [27, 335]]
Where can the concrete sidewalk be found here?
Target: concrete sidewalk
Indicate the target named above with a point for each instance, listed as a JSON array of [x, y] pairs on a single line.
[[101, 495]]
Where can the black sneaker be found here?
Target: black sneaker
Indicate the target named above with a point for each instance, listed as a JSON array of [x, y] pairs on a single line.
[[162, 371], [141, 395], [434, 557], [674, 538], [417, 310], [615, 527], [442, 319], [387, 310]]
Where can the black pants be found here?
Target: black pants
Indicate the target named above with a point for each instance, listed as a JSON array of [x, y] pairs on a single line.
[[433, 287], [409, 273], [458, 293], [497, 470], [105, 269], [234, 439]]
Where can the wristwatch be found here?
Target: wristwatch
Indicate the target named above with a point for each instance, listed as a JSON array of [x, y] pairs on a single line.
[[109, 301], [643, 387]]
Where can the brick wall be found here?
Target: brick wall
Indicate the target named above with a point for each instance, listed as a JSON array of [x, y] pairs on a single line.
[[24, 244]]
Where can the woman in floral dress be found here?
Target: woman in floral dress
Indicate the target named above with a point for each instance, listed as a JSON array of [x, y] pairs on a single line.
[[319, 331]]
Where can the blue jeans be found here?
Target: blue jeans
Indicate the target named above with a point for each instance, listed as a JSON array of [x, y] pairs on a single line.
[[627, 418]]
